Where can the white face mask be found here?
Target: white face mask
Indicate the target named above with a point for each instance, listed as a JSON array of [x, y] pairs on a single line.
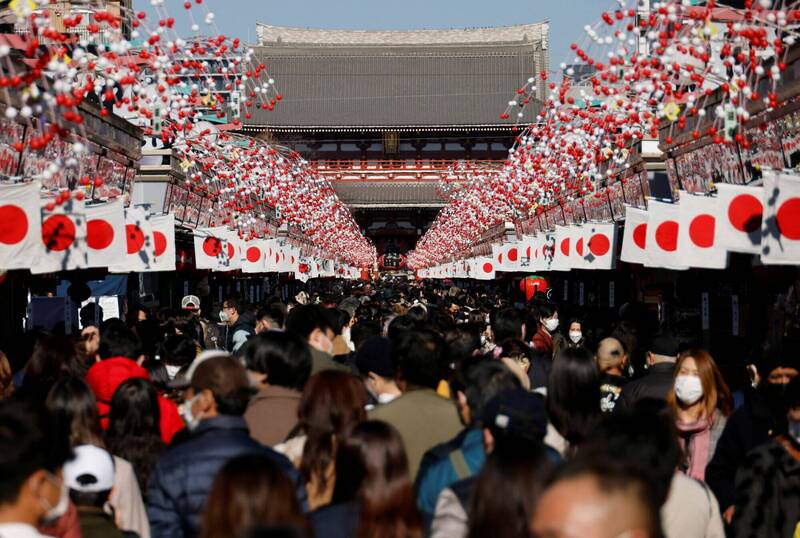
[[575, 336], [223, 316], [688, 389], [551, 324], [185, 411], [172, 370], [54, 513], [794, 430]]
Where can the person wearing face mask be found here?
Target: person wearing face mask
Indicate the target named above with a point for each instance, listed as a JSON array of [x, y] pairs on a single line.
[[548, 323], [701, 402], [32, 456], [314, 325], [376, 368], [240, 324], [760, 418], [767, 501], [217, 392], [574, 337]]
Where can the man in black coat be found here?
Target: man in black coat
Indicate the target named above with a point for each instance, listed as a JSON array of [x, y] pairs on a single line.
[[661, 357], [760, 418], [217, 396]]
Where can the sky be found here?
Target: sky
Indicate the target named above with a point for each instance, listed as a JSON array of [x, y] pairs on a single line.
[[237, 18]]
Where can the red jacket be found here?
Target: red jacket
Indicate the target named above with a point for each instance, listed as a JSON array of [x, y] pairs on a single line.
[[105, 376], [542, 341]]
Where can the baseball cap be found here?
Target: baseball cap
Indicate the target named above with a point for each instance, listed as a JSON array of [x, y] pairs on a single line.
[[222, 374], [376, 356], [91, 471], [190, 302], [518, 413], [185, 380]]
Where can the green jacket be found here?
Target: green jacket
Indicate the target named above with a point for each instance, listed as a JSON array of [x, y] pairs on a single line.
[[423, 418], [97, 524], [324, 361]]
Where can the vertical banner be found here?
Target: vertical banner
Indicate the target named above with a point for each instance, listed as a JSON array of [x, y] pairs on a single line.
[[20, 225]]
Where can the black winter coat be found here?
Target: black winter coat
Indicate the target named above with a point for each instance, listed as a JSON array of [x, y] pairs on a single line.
[[656, 384], [183, 475], [748, 427]]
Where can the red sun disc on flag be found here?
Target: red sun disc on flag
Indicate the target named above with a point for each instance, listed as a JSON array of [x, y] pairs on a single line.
[[230, 250], [745, 212], [640, 235], [58, 232], [512, 255], [253, 254], [212, 246], [701, 231], [135, 237], [599, 245], [99, 234], [160, 241], [488, 267], [13, 224], [788, 218], [579, 246], [565, 247], [667, 235]]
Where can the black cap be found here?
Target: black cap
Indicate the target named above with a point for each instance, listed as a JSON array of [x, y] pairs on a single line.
[[664, 344], [517, 413], [376, 356]]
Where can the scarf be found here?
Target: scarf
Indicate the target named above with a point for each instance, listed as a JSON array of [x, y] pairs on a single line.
[[695, 438]]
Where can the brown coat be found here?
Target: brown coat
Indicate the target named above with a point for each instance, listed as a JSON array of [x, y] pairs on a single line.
[[272, 414]]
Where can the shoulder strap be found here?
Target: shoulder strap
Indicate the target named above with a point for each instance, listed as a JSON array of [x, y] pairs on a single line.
[[460, 464]]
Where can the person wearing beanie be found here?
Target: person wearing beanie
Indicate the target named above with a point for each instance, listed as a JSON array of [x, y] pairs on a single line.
[[661, 357]]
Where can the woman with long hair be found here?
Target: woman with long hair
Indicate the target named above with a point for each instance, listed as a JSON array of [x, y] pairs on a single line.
[[507, 489], [73, 407], [251, 491], [133, 427], [702, 403], [53, 357], [332, 402], [573, 399], [373, 497]]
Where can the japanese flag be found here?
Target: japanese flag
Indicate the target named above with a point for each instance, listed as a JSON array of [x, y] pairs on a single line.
[[600, 245], [143, 244], [565, 246], [740, 212], [663, 228], [697, 237], [272, 256], [255, 256], [483, 268], [209, 248], [20, 225], [780, 242], [512, 256], [234, 250], [163, 227], [64, 239], [634, 238], [548, 251], [105, 233]]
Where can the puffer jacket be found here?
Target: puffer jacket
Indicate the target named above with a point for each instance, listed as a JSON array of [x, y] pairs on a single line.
[[105, 376], [183, 475]]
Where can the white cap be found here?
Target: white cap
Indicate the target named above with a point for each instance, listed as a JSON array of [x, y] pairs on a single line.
[[91, 471], [190, 302]]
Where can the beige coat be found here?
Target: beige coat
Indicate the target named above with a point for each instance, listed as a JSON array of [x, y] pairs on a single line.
[[272, 414], [126, 498]]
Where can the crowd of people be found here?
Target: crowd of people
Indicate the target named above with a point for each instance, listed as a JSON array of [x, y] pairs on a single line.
[[394, 412]]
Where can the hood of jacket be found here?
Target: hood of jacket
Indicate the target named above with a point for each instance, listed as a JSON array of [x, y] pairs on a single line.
[[105, 376]]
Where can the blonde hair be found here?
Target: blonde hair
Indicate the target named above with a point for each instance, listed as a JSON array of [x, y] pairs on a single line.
[[6, 378]]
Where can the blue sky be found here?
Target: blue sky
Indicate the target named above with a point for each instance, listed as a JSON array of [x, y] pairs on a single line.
[[238, 17]]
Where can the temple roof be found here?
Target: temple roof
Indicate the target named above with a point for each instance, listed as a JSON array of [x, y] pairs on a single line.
[[351, 79]]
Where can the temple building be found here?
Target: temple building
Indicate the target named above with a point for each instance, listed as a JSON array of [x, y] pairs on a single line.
[[385, 115]]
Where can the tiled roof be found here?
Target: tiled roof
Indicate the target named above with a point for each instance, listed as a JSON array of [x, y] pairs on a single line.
[[388, 193], [408, 84], [269, 35]]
